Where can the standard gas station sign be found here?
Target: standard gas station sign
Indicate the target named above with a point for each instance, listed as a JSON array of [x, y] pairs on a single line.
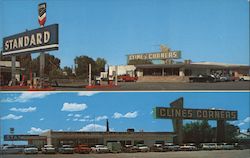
[[42, 39], [198, 114]]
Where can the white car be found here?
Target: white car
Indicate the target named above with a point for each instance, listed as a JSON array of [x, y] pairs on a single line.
[[188, 147], [208, 146], [11, 150], [30, 150], [48, 149], [66, 149], [100, 149], [142, 147], [244, 78], [225, 146], [171, 147]]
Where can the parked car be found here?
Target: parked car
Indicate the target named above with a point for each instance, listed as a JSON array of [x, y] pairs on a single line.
[[129, 149], [30, 150], [114, 147], [225, 146], [12, 149], [188, 147], [142, 148], [48, 149], [127, 78], [203, 78], [225, 78], [82, 149], [100, 149], [208, 146], [244, 78], [66, 149], [171, 147], [157, 148]]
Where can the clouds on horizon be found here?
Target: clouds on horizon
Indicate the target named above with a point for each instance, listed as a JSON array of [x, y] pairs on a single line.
[[11, 117], [94, 127], [34, 130], [243, 122]]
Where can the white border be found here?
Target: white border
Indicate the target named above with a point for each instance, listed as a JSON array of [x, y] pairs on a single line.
[[31, 49]]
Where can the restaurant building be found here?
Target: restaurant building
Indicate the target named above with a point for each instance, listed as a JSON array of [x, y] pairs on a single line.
[[57, 138]]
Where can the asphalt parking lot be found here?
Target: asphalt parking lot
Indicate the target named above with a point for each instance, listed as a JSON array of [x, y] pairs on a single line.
[[180, 154], [134, 86]]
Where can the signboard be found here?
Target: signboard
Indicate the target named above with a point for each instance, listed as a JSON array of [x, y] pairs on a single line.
[[196, 114], [42, 39], [42, 14], [12, 130], [154, 56], [19, 137]]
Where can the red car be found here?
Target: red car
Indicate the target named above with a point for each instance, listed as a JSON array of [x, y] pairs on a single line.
[[127, 78], [82, 149]]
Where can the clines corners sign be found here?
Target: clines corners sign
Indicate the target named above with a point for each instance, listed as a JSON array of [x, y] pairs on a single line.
[[155, 56], [196, 114], [42, 39]]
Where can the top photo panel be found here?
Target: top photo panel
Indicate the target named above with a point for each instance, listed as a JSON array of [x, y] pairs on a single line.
[[124, 45]]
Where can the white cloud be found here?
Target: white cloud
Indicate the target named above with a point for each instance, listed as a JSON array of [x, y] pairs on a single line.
[[41, 119], [82, 120], [77, 115], [127, 115], [93, 127], [86, 117], [99, 118], [70, 115], [241, 124], [75, 119], [68, 119], [117, 115], [29, 109], [246, 120], [73, 107], [26, 96], [11, 117], [87, 93], [131, 114], [34, 130]]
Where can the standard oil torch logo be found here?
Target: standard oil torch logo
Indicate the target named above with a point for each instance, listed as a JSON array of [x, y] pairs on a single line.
[[42, 14]]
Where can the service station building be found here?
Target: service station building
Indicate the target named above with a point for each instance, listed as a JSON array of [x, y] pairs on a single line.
[[57, 138]]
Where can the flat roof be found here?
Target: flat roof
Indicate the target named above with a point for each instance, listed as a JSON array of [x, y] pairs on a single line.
[[194, 65]]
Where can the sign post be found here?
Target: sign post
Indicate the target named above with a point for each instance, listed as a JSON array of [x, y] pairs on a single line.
[[13, 70], [178, 123], [90, 75], [42, 20]]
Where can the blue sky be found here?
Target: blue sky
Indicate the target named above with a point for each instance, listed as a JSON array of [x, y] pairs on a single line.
[[32, 113], [204, 30]]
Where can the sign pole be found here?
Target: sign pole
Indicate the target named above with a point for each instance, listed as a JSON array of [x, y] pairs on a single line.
[[89, 74], [13, 70], [116, 75], [42, 19], [42, 66], [178, 123]]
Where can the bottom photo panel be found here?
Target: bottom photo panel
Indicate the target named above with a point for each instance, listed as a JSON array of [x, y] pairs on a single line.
[[124, 124]]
